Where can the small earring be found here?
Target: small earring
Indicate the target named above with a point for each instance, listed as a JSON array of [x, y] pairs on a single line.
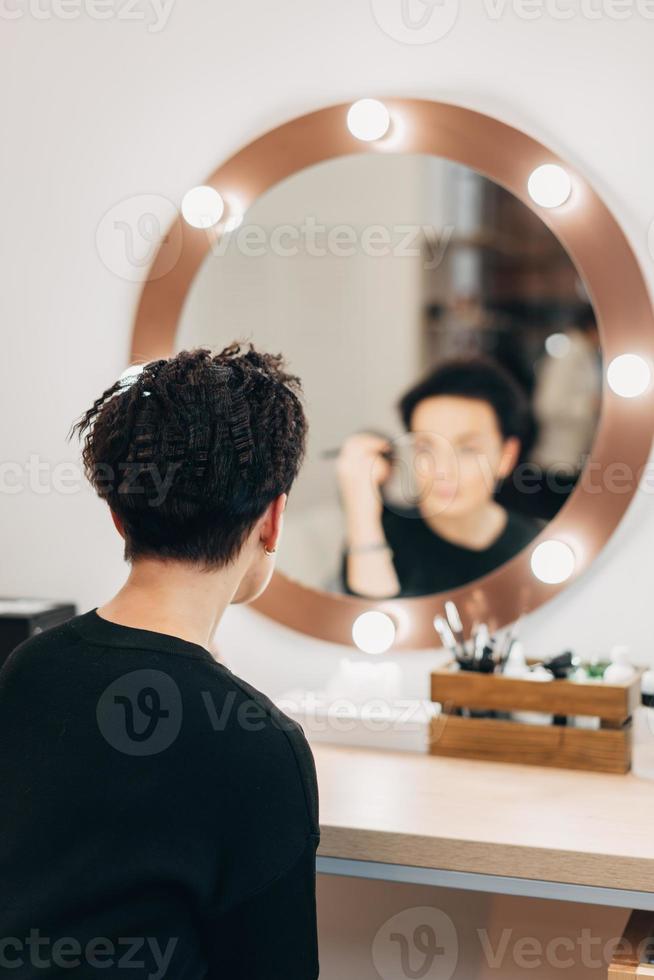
[[269, 551]]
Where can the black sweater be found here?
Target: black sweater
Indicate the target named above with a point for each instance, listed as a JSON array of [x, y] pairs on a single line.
[[159, 816]]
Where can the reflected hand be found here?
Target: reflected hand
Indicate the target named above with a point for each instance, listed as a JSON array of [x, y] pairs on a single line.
[[361, 470]]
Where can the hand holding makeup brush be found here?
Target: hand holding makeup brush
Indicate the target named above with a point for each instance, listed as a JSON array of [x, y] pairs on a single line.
[[362, 467]]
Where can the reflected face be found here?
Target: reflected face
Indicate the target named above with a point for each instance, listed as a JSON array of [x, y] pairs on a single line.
[[460, 454]]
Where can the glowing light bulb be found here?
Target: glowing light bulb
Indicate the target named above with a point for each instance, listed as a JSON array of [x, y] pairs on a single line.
[[202, 207], [373, 632], [629, 375], [368, 119], [549, 185], [552, 562]]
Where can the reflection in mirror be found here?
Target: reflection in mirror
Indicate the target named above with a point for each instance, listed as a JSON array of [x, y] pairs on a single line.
[[449, 357]]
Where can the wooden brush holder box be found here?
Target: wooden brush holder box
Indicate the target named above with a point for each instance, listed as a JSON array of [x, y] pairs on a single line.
[[603, 749]]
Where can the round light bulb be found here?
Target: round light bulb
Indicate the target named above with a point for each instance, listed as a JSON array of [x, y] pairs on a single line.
[[368, 119], [373, 632], [202, 207], [629, 375], [558, 345], [552, 562], [549, 185]]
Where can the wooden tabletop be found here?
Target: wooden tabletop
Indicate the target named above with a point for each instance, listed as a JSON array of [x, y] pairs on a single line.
[[486, 818]]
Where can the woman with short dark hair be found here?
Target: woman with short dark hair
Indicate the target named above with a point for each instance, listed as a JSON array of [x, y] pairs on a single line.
[[470, 422], [159, 815]]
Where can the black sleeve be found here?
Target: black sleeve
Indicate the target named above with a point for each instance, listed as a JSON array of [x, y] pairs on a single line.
[[272, 934]]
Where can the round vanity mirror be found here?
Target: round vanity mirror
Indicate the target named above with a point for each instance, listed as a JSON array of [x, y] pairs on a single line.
[[475, 342], [449, 357]]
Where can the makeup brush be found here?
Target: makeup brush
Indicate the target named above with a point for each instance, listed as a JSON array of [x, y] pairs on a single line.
[[442, 627], [510, 638], [386, 453], [456, 625], [334, 453], [481, 641]]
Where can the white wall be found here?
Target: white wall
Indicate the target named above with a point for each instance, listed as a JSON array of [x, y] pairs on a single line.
[[98, 111], [95, 112]]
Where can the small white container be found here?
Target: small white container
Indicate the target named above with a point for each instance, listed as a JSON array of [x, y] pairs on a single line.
[[620, 670], [538, 675], [619, 674], [516, 666]]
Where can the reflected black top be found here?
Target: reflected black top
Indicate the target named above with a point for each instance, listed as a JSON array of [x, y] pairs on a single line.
[[426, 563]]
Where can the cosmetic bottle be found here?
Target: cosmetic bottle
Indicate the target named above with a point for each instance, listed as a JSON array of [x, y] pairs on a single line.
[[516, 664], [538, 675], [620, 670]]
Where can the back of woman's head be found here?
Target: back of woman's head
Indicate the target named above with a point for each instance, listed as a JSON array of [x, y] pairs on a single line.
[[190, 452]]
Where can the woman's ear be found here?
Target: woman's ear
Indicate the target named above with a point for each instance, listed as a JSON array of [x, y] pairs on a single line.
[[273, 521], [118, 524], [510, 456]]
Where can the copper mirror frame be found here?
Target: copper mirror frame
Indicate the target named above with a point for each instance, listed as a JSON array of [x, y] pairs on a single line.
[[603, 258]]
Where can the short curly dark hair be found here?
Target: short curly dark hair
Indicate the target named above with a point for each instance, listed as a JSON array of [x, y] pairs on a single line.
[[189, 452]]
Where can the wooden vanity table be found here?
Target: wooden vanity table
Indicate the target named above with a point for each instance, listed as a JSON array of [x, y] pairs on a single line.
[[485, 827]]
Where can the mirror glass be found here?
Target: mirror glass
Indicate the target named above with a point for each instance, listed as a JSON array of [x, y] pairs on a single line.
[[449, 358]]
